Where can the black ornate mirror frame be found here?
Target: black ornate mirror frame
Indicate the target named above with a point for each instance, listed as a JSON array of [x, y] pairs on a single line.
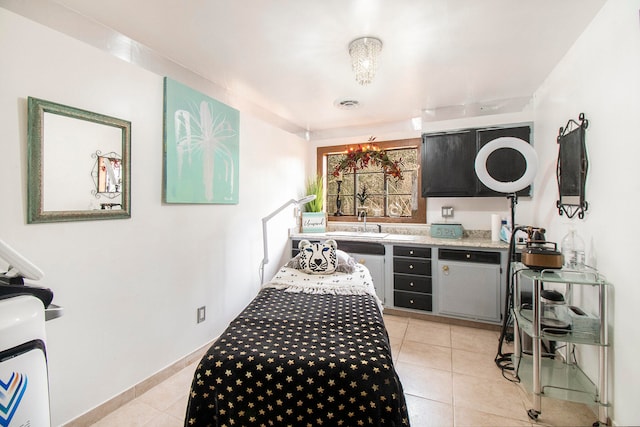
[[572, 167]]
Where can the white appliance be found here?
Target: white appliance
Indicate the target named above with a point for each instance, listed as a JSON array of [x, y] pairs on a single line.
[[24, 381], [24, 385]]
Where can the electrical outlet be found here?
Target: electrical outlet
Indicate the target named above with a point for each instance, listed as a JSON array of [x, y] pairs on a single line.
[[202, 314], [447, 212]]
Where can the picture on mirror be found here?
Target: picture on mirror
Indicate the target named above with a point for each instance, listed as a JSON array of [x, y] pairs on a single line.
[[108, 173]]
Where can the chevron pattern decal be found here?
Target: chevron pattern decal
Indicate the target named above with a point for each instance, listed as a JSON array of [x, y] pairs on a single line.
[[11, 393]]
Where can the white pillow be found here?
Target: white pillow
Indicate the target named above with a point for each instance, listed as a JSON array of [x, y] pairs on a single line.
[[318, 258], [346, 263]]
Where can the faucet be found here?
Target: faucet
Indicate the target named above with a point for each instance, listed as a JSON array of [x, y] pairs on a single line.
[[363, 215]]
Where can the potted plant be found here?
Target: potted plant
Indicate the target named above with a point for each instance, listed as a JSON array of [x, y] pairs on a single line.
[[314, 219], [315, 185], [362, 196]]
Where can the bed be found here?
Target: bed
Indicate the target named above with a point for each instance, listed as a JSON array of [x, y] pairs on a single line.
[[309, 350]]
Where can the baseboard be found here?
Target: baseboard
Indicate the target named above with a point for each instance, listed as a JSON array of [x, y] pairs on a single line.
[[96, 414], [442, 319]]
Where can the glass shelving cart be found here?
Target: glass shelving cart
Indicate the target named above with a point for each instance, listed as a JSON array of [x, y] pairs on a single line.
[[560, 377]]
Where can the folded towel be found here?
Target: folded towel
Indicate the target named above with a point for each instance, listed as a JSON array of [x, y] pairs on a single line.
[[357, 283]]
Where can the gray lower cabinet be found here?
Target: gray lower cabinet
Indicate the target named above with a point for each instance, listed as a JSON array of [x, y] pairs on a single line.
[[412, 284], [469, 284], [452, 282], [371, 255], [375, 264]]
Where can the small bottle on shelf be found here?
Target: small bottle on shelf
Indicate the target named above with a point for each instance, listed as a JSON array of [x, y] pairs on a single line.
[[572, 248]]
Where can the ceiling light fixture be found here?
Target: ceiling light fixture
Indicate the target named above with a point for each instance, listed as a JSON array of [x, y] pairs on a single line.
[[364, 52]]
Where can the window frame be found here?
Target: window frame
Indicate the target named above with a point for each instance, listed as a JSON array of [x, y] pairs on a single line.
[[418, 216]]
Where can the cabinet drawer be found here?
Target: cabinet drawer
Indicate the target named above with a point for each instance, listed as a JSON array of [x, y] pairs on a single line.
[[410, 251], [348, 246], [412, 266], [405, 282], [469, 256], [412, 300], [369, 248]]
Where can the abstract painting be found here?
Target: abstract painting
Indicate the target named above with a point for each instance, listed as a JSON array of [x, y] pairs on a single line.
[[201, 147]]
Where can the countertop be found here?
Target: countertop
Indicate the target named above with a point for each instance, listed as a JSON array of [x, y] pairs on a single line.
[[470, 240]]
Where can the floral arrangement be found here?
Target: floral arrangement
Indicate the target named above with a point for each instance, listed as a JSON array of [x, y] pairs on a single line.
[[361, 157]]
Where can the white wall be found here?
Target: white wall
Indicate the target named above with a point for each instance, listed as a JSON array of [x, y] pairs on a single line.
[[130, 288], [600, 76]]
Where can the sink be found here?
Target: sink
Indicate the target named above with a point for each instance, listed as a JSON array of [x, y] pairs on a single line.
[[402, 237], [357, 234]]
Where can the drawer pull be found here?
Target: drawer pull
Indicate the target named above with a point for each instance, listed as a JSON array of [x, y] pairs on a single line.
[[410, 266], [411, 252], [445, 269], [411, 284], [411, 301], [468, 256], [362, 261]]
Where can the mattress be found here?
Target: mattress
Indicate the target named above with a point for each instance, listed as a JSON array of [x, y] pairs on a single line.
[[298, 359]]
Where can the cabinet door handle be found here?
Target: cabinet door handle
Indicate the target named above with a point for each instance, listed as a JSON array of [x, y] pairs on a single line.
[[445, 269], [362, 261]]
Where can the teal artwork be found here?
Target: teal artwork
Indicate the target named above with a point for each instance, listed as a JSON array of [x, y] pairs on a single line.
[[201, 147]]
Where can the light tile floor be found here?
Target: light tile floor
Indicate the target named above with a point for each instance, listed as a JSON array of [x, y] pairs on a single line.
[[447, 371]]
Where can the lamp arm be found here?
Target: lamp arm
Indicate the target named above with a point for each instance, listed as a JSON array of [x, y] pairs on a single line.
[[265, 259]]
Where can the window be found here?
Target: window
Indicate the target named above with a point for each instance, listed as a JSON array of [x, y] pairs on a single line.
[[383, 198]]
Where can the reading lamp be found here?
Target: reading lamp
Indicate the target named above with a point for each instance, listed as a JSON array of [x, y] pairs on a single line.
[[298, 202], [510, 188]]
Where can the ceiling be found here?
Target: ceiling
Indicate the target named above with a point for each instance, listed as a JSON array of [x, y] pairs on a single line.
[[440, 58]]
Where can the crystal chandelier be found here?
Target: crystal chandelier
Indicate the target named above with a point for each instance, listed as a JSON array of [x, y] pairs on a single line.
[[364, 53]]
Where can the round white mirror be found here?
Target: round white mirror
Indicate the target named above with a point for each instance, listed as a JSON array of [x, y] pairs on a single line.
[[522, 147]]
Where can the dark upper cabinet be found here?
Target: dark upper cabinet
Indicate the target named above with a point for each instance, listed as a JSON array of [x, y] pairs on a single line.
[[448, 161]]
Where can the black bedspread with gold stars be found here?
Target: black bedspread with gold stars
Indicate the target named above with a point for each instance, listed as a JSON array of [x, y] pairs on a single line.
[[296, 359]]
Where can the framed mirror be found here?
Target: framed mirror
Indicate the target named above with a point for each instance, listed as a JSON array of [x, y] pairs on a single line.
[[572, 167], [79, 165]]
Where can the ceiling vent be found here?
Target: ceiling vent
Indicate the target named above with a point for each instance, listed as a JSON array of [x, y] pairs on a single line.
[[347, 104]]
